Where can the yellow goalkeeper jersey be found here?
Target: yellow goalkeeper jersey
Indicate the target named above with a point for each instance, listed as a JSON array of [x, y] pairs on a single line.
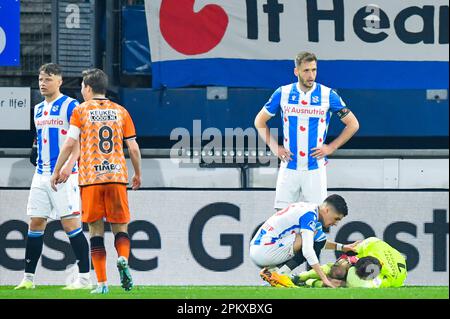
[[393, 272]]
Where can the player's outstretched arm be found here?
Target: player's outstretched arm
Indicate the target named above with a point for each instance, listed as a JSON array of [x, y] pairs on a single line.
[[341, 247], [311, 257]]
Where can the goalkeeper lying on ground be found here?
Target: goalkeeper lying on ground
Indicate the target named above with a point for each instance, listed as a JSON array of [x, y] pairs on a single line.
[[377, 265]]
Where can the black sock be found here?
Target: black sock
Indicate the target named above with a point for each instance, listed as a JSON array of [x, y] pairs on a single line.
[[80, 248], [33, 250], [291, 264]]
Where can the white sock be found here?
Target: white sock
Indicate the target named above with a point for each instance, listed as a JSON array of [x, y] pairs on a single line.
[[273, 269], [29, 276], [284, 270], [84, 276]]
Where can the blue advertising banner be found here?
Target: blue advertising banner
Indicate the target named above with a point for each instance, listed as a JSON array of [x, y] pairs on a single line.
[[9, 32], [235, 43], [135, 47]]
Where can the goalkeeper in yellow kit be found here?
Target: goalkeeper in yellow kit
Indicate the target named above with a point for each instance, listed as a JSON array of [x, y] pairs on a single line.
[[377, 265]]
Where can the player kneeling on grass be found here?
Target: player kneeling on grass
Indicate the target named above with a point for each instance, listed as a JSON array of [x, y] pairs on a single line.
[[294, 235], [377, 265]]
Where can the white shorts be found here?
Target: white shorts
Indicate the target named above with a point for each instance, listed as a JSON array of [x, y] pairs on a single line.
[[300, 186], [44, 202], [274, 254]]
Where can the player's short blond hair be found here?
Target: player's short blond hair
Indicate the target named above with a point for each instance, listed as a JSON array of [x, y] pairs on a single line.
[[304, 57]]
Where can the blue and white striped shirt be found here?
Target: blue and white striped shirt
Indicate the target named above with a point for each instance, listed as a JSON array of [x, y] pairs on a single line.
[[293, 219], [305, 119], [52, 121]]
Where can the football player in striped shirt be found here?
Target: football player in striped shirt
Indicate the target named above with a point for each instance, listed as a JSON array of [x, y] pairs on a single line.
[[306, 108], [293, 235], [52, 118]]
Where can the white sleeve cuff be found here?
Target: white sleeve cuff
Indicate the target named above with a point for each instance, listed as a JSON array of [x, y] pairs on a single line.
[[267, 111], [74, 132]]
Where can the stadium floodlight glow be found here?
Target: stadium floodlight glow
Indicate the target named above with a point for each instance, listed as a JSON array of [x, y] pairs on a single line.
[[232, 153], [269, 153], [246, 153], [196, 153], [225, 153], [261, 153], [217, 153], [239, 153], [253, 153], [188, 153], [210, 153], [203, 153]]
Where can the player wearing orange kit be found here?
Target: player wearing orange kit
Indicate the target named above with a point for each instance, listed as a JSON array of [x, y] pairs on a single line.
[[101, 126]]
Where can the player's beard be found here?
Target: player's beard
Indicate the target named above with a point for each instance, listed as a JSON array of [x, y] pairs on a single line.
[[305, 83]]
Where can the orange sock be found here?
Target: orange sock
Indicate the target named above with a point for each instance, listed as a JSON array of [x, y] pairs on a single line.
[[98, 254], [122, 244]]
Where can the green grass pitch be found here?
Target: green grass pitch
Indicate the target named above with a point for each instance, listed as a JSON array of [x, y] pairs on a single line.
[[230, 292]]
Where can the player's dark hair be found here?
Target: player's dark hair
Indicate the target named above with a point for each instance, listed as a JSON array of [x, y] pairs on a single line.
[[96, 79], [338, 203], [304, 57], [51, 68], [368, 267]]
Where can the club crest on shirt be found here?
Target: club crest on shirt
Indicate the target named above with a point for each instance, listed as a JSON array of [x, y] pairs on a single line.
[[315, 99]]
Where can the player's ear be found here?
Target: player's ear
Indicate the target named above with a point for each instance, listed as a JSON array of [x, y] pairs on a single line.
[[296, 71], [59, 79]]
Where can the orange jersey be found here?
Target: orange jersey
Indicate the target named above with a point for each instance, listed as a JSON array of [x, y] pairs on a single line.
[[104, 125]]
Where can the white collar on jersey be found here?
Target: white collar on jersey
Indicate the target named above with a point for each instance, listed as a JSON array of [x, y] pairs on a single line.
[[51, 103], [309, 91]]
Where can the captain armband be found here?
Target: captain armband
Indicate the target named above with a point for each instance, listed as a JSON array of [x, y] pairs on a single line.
[[343, 112]]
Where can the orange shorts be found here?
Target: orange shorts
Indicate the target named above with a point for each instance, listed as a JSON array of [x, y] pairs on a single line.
[[109, 201]]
